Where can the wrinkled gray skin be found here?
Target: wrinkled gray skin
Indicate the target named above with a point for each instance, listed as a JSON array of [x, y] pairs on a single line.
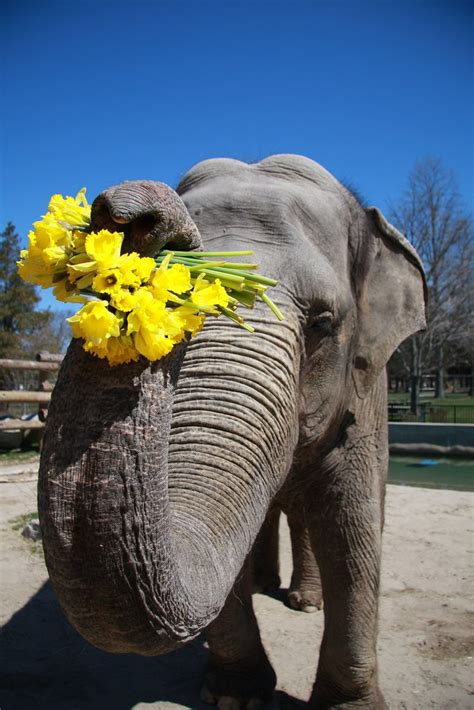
[[156, 479]]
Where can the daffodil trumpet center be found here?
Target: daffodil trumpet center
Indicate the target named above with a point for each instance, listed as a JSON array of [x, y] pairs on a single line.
[[134, 306]]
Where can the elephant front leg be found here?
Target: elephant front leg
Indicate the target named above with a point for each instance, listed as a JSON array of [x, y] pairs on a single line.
[[239, 674], [345, 523]]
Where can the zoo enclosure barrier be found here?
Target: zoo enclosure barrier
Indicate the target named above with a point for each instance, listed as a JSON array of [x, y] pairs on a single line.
[[46, 364], [431, 412]]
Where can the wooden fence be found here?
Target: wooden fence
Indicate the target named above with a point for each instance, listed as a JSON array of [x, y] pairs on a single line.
[[45, 364]]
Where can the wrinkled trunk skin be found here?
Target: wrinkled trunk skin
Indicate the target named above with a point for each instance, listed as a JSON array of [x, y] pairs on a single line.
[[155, 479]]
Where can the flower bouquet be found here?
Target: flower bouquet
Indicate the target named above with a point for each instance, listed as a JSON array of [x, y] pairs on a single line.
[[133, 305]]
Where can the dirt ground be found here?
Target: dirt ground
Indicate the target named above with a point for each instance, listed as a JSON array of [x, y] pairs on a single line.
[[426, 640]]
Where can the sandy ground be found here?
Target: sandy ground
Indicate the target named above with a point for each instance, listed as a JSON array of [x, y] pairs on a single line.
[[426, 641]]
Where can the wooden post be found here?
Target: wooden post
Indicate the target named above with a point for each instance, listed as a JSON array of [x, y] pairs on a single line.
[[45, 364], [46, 358]]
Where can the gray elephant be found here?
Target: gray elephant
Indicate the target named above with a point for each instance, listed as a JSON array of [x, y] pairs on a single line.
[[156, 478], [305, 592]]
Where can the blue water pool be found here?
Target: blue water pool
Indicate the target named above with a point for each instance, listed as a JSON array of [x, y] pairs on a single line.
[[453, 473]]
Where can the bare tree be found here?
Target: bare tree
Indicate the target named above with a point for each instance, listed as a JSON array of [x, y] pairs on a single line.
[[431, 214]]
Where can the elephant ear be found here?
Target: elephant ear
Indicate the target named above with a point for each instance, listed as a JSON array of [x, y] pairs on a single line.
[[391, 299]]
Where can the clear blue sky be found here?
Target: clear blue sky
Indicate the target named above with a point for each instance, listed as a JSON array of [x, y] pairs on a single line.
[[98, 92]]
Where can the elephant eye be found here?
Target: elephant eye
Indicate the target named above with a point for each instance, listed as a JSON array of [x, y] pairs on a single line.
[[322, 322]]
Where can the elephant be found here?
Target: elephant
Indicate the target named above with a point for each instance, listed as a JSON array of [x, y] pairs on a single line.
[[156, 478], [305, 592]]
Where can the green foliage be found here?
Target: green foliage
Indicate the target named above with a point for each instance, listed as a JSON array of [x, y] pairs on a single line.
[[19, 319]]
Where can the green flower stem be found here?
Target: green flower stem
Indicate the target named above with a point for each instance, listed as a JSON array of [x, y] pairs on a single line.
[[230, 265], [222, 273], [254, 288], [202, 309], [218, 270], [226, 284], [257, 278], [205, 265], [229, 284], [177, 260], [200, 254], [173, 298], [227, 265], [245, 298], [237, 319], [272, 306], [191, 263]]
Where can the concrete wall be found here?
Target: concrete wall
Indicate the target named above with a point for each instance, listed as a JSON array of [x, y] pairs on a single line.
[[435, 434]]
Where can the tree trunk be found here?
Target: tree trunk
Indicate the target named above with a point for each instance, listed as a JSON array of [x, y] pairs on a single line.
[[414, 377], [439, 383]]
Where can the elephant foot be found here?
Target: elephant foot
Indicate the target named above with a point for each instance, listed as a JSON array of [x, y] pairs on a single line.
[[236, 686], [370, 701], [305, 600]]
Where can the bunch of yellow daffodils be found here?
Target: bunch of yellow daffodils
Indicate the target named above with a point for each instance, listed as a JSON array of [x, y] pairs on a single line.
[[132, 305]]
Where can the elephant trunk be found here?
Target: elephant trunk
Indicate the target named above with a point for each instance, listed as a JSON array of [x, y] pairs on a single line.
[[155, 480], [150, 214]]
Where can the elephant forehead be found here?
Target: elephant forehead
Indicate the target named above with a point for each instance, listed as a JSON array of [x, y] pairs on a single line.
[[285, 208], [299, 233]]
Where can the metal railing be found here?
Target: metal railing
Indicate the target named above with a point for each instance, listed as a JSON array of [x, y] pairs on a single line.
[[431, 412]]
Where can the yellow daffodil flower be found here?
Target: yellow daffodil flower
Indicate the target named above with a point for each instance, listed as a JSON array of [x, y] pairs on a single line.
[[148, 305], [77, 242], [208, 295], [148, 314], [102, 252], [177, 279], [34, 270], [117, 351], [108, 281], [48, 233], [74, 211], [64, 291], [95, 323], [142, 266], [152, 345], [55, 257], [123, 300], [192, 322], [104, 248]]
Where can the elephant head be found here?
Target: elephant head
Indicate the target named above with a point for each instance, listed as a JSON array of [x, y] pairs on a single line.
[[155, 478]]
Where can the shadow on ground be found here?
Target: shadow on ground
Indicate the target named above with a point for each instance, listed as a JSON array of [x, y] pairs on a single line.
[[46, 665]]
